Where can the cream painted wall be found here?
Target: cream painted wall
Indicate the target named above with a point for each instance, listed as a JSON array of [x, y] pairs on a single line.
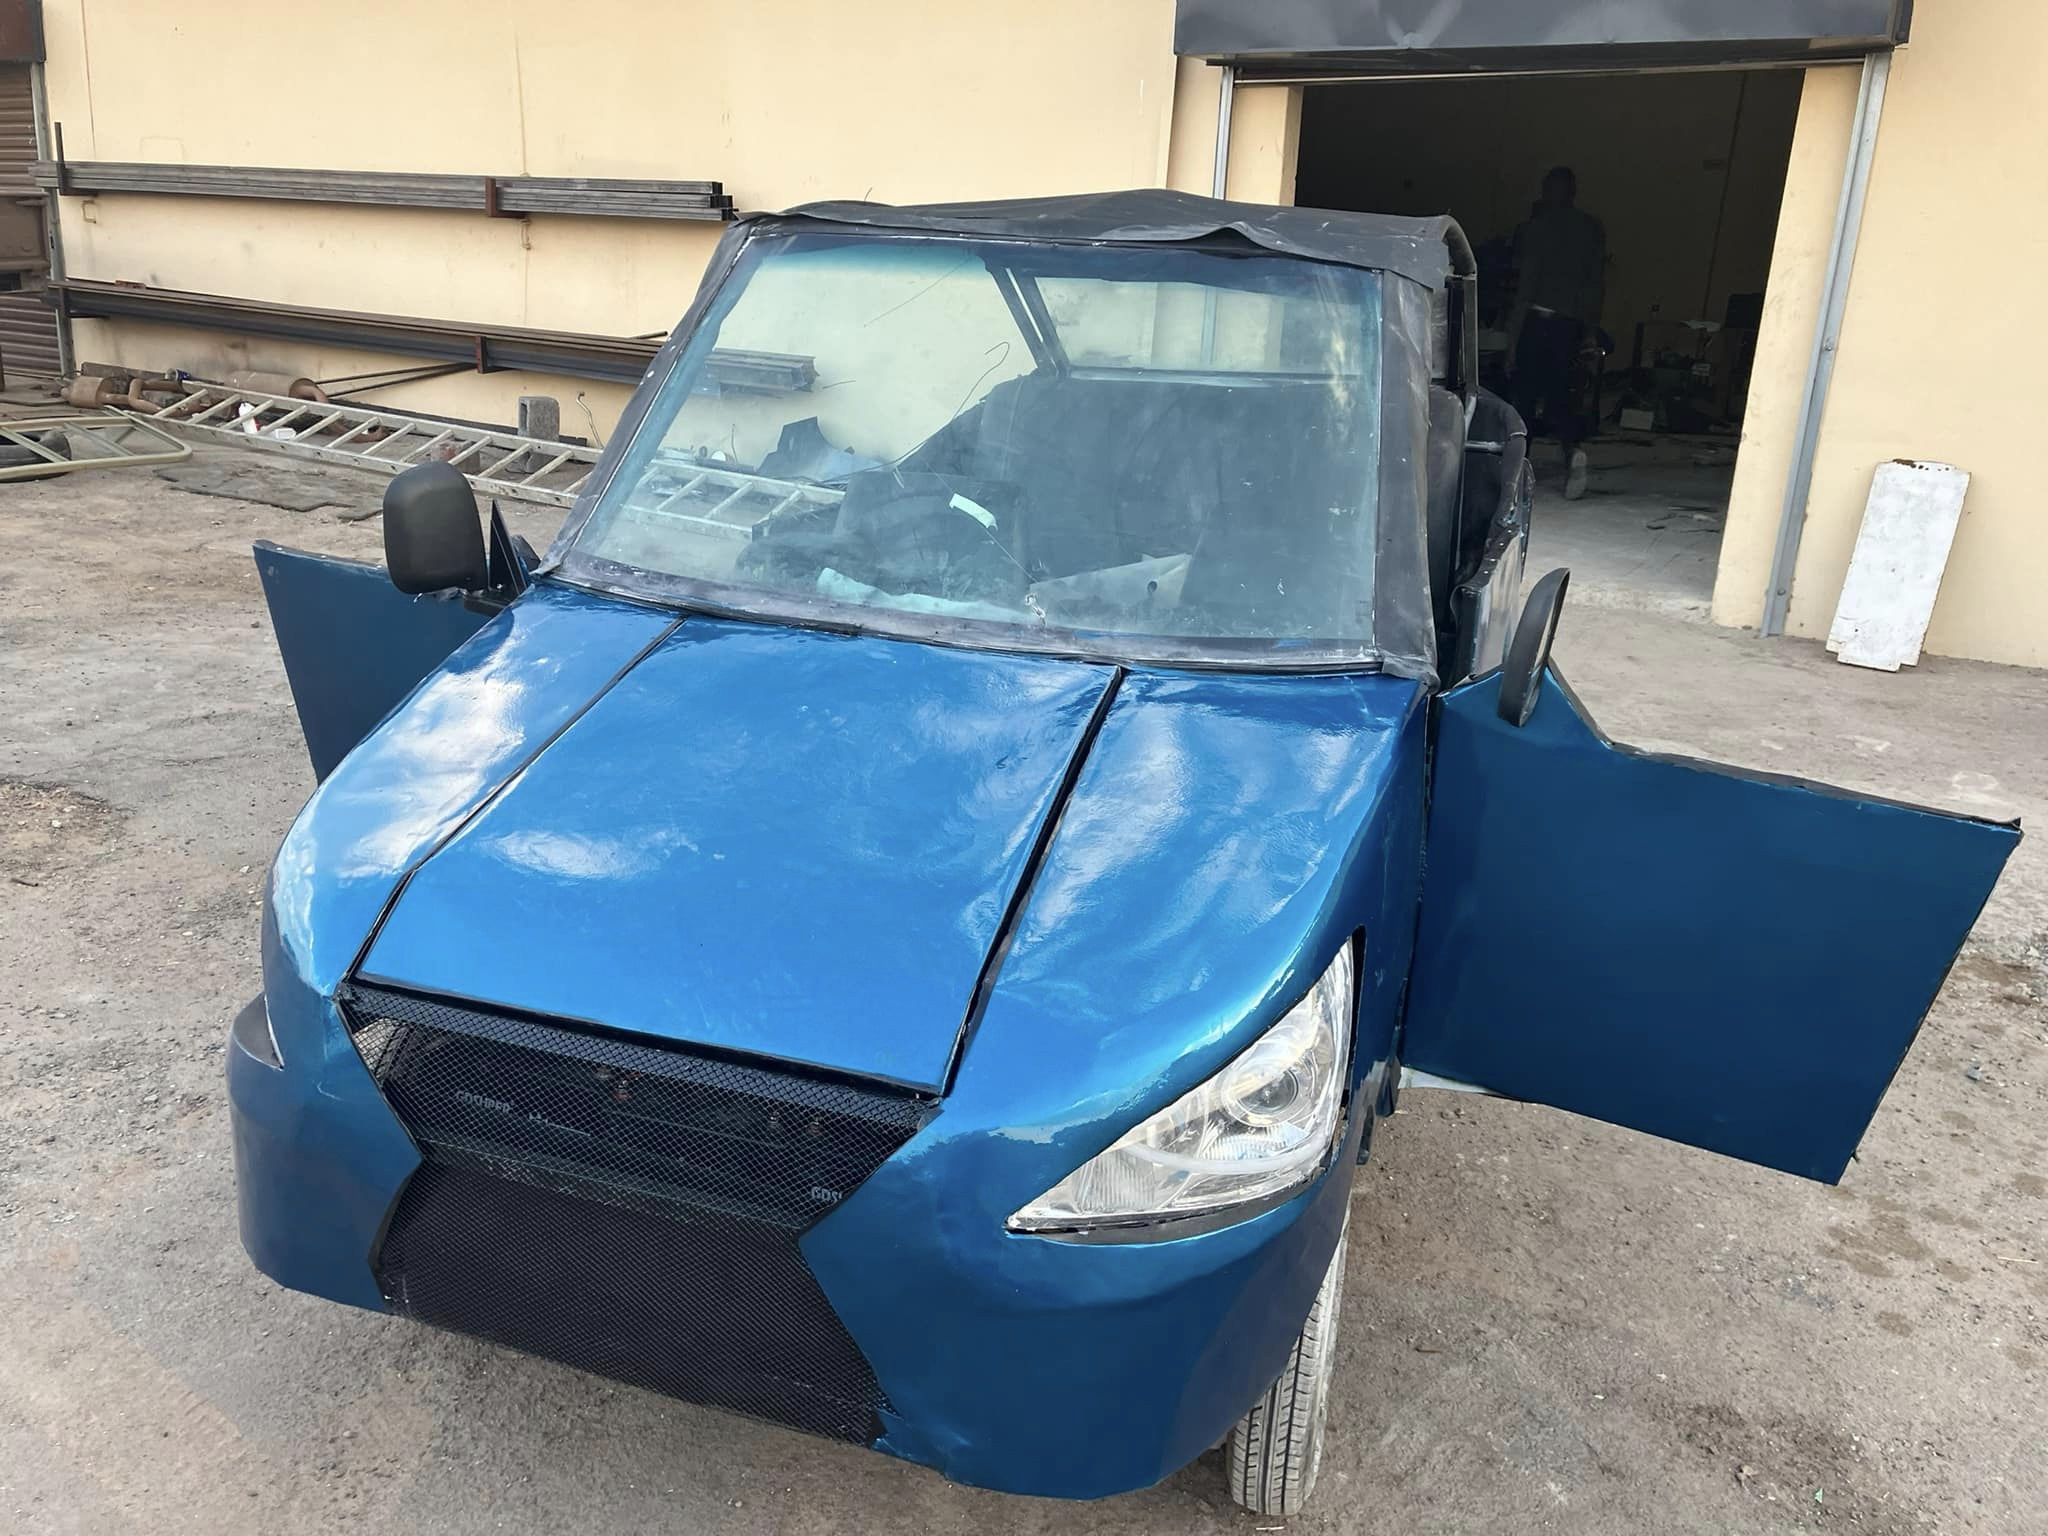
[[1191, 150], [1806, 223], [783, 100], [786, 100], [1939, 347], [904, 339], [1265, 143]]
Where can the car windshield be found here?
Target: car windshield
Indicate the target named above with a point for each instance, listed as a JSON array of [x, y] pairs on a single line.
[[1132, 452]]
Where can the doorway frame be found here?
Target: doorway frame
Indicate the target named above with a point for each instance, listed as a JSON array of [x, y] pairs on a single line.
[[1836, 272]]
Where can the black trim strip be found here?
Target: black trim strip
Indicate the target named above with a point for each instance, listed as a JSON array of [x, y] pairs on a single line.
[[356, 993], [1006, 931]]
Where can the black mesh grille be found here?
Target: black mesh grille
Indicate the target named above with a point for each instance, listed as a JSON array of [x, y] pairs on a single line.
[[625, 1208]]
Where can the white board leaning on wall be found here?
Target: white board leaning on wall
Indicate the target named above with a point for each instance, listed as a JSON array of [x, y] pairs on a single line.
[[1909, 525]]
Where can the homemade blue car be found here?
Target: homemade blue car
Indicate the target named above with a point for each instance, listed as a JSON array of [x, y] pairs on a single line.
[[903, 924]]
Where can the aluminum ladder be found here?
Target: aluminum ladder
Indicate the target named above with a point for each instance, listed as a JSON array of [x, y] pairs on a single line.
[[497, 463]]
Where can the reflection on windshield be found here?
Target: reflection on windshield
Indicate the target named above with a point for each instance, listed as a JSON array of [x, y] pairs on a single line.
[[1144, 444]]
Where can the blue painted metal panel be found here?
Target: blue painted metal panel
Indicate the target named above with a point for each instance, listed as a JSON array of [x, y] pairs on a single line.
[[792, 844], [319, 1156], [1225, 836], [316, 1137], [493, 705], [1729, 959], [353, 644]]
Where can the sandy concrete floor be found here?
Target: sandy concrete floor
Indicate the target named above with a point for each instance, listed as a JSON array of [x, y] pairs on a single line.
[[1550, 1326], [1647, 533]]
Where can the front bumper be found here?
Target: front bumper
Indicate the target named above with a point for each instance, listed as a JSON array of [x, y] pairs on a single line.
[[319, 1156], [1022, 1363]]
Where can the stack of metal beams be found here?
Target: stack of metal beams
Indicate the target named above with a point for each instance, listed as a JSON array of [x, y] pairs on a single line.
[[736, 371]]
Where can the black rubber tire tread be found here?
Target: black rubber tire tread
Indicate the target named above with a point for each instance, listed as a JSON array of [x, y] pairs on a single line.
[[1276, 1449]]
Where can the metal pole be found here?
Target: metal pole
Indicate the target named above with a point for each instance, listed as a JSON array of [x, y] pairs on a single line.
[[53, 226], [1827, 337], [1219, 181], [1219, 184]]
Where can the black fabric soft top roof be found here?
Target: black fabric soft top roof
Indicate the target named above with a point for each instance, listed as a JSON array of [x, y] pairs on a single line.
[[1424, 251]]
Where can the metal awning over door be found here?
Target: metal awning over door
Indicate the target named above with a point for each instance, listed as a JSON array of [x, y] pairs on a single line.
[[1309, 37]]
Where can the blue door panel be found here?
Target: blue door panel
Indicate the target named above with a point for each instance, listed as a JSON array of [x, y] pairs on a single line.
[[1734, 960], [353, 644]]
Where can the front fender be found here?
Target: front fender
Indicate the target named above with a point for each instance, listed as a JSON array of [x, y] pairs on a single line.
[[1224, 837], [320, 1158]]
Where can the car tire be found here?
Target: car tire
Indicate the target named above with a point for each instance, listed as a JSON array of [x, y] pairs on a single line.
[[1276, 1449]]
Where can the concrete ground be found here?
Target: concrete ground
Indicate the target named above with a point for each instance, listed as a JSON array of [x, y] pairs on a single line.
[[1647, 533], [1549, 1325]]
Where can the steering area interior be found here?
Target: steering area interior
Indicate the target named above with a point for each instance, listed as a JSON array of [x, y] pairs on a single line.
[[1076, 500]]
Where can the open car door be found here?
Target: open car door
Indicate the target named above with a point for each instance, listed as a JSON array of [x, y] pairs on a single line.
[[1730, 959], [353, 644]]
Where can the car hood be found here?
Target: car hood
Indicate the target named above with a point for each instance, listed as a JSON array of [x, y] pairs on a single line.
[[811, 848], [765, 840]]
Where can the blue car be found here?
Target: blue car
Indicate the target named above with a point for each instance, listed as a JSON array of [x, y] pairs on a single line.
[[904, 923]]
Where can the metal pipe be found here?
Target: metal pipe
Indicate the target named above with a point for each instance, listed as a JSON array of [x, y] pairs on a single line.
[[1226, 92], [1827, 336], [140, 388], [387, 378], [264, 382], [95, 391], [1219, 185], [1706, 311], [50, 146]]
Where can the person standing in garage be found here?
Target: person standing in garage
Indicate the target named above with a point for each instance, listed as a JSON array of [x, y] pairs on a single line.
[[1562, 255]]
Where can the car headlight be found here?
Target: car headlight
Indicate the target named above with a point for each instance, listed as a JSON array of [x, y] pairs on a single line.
[[1258, 1129]]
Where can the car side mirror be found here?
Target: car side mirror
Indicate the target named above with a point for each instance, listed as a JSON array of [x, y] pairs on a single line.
[[433, 540], [1521, 673]]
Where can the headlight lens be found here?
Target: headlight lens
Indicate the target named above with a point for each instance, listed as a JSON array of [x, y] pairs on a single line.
[[1259, 1128]]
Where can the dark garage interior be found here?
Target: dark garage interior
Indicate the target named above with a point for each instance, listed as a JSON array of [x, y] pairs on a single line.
[[1684, 170]]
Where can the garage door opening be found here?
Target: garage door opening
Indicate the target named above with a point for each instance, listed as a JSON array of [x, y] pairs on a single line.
[[1684, 172]]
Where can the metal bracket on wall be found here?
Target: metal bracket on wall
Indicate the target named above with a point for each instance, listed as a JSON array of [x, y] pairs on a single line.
[[60, 181], [494, 207]]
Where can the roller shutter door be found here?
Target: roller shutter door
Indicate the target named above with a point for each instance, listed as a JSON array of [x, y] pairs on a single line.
[[28, 326]]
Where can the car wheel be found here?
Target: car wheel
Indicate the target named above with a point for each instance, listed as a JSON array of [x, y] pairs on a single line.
[[1277, 1448]]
